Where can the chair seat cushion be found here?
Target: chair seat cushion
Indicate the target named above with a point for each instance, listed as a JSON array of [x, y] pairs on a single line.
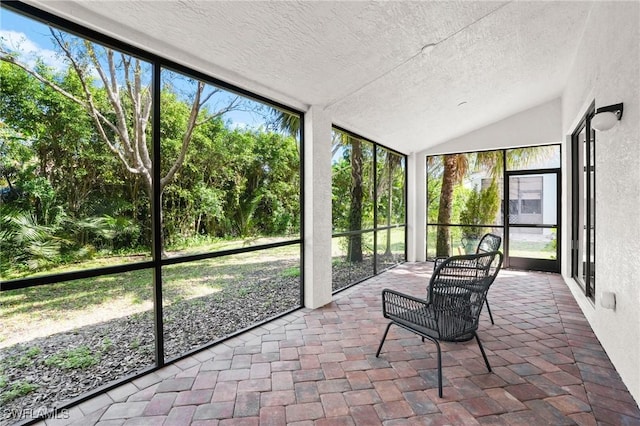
[[448, 327]]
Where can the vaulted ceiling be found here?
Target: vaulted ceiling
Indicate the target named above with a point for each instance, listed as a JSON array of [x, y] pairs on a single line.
[[409, 75]]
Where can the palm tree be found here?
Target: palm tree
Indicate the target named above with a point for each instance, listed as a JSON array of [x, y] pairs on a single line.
[[391, 164], [455, 168], [354, 250], [290, 124]]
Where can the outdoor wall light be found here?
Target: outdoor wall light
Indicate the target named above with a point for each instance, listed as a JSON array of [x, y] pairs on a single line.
[[606, 117]]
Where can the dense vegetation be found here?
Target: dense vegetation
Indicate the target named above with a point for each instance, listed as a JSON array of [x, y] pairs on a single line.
[[66, 197]]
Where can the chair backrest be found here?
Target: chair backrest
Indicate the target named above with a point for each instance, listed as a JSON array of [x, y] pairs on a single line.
[[458, 289], [489, 242]]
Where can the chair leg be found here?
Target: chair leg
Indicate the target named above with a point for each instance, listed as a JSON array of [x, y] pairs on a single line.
[[384, 336], [486, 302], [484, 355], [439, 368]]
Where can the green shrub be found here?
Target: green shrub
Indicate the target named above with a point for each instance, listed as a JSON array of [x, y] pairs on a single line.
[[106, 344], [480, 208], [80, 357], [24, 360], [292, 272], [15, 390]]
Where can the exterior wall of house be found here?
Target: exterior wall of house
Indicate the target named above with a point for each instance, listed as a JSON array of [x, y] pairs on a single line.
[[607, 70], [549, 195]]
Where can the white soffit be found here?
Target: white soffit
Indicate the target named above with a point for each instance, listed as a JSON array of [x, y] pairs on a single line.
[[364, 61]]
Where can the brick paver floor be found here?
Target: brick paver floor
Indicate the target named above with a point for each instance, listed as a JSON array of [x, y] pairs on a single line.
[[318, 367]]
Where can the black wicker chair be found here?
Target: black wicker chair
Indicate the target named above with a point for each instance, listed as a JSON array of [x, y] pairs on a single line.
[[488, 242], [456, 295]]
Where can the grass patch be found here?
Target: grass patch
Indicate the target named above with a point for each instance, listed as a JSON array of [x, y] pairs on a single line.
[[293, 272], [531, 249], [106, 344], [24, 360], [77, 294], [80, 357], [11, 391], [24, 312]]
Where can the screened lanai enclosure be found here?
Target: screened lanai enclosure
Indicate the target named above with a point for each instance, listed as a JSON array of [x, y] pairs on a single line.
[[149, 211], [197, 186], [470, 194], [368, 209]]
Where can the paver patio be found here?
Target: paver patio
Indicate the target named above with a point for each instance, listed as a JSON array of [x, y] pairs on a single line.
[[318, 367]]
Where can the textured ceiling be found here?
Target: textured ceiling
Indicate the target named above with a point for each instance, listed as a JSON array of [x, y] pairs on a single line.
[[409, 75]]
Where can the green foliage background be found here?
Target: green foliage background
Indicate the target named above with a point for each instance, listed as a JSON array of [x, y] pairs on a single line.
[[65, 197], [480, 208]]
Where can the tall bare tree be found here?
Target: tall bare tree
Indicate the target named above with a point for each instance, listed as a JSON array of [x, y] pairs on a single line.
[[123, 121]]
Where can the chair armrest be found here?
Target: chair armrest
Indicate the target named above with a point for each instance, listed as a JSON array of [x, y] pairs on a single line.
[[408, 310], [390, 295], [437, 261]]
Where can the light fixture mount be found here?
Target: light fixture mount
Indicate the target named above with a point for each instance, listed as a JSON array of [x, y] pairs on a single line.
[[606, 117]]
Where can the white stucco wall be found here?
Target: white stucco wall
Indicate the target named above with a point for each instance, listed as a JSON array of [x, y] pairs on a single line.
[[607, 69], [539, 125]]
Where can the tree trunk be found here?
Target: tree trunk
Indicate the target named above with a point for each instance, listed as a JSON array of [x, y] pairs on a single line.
[[198, 223], [354, 252], [446, 200], [389, 205], [148, 188]]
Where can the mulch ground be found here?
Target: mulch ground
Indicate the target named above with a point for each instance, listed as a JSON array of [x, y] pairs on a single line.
[[120, 347]]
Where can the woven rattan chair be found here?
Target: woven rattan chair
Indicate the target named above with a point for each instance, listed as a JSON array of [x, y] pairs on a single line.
[[488, 242], [456, 295]]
